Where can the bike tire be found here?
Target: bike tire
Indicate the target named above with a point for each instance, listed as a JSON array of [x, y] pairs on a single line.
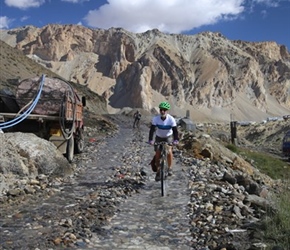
[[162, 178], [70, 149]]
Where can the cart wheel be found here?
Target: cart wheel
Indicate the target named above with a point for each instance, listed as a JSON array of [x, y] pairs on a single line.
[[79, 142], [70, 149]]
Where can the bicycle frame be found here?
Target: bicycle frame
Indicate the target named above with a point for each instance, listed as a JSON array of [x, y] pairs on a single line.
[[136, 123], [163, 146]]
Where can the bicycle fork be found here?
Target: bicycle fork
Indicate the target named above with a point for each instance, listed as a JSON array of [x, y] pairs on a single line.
[[163, 170]]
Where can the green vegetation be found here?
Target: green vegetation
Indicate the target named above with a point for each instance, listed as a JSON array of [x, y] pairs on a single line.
[[267, 164], [277, 223], [233, 148]]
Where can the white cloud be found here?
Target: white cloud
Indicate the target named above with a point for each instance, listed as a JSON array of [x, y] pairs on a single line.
[[270, 3], [24, 4], [24, 18], [5, 22], [172, 16], [75, 1], [264, 13]]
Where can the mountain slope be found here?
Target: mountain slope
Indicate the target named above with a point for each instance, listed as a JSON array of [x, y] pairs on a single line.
[[206, 73], [15, 66]]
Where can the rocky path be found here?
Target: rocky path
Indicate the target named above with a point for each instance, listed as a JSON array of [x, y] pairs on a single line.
[[113, 183], [146, 220], [113, 202]]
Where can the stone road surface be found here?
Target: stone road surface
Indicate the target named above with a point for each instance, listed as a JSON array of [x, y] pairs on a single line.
[[66, 214], [146, 220]]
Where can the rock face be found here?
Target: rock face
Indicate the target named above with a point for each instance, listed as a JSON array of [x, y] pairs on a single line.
[[205, 73], [16, 67], [27, 156]]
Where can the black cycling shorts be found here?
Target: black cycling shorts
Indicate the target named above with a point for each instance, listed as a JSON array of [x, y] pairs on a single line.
[[168, 139]]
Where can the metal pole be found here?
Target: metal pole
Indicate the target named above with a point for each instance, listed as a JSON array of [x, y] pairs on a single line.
[[234, 132]]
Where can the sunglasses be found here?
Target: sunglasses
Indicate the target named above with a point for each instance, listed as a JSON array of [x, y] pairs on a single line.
[[163, 110]]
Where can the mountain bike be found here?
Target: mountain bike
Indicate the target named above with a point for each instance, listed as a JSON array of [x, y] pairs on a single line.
[[163, 147], [136, 123]]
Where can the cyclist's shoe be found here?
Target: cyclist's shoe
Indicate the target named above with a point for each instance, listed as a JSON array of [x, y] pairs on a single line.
[[169, 173], [157, 177]]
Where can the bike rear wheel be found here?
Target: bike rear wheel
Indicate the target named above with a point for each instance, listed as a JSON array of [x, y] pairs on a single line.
[[163, 170]]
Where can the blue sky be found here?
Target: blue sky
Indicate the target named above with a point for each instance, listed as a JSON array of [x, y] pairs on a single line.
[[247, 20]]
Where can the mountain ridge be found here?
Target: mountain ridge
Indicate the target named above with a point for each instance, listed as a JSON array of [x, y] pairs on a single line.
[[207, 74], [15, 67]]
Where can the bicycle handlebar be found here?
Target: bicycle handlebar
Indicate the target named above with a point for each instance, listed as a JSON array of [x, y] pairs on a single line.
[[163, 143]]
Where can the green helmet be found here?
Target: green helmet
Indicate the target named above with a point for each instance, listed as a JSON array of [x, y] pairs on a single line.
[[164, 105]]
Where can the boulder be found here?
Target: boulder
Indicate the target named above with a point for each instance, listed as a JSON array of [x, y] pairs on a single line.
[[25, 154]]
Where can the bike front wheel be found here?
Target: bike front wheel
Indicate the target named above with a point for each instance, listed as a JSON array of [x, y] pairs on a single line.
[[162, 178]]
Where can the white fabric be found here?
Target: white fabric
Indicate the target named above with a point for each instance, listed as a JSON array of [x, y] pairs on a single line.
[[164, 128]]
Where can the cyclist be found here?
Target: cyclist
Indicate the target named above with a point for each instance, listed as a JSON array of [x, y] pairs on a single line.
[[164, 126], [137, 117]]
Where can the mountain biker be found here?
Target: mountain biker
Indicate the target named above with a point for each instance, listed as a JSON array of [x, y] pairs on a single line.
[[164, 126], [137, 117]]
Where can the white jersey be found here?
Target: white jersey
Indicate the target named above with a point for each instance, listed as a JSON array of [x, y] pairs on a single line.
[[164, 128]]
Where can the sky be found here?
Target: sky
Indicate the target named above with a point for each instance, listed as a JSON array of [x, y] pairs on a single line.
[[246, 20]]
